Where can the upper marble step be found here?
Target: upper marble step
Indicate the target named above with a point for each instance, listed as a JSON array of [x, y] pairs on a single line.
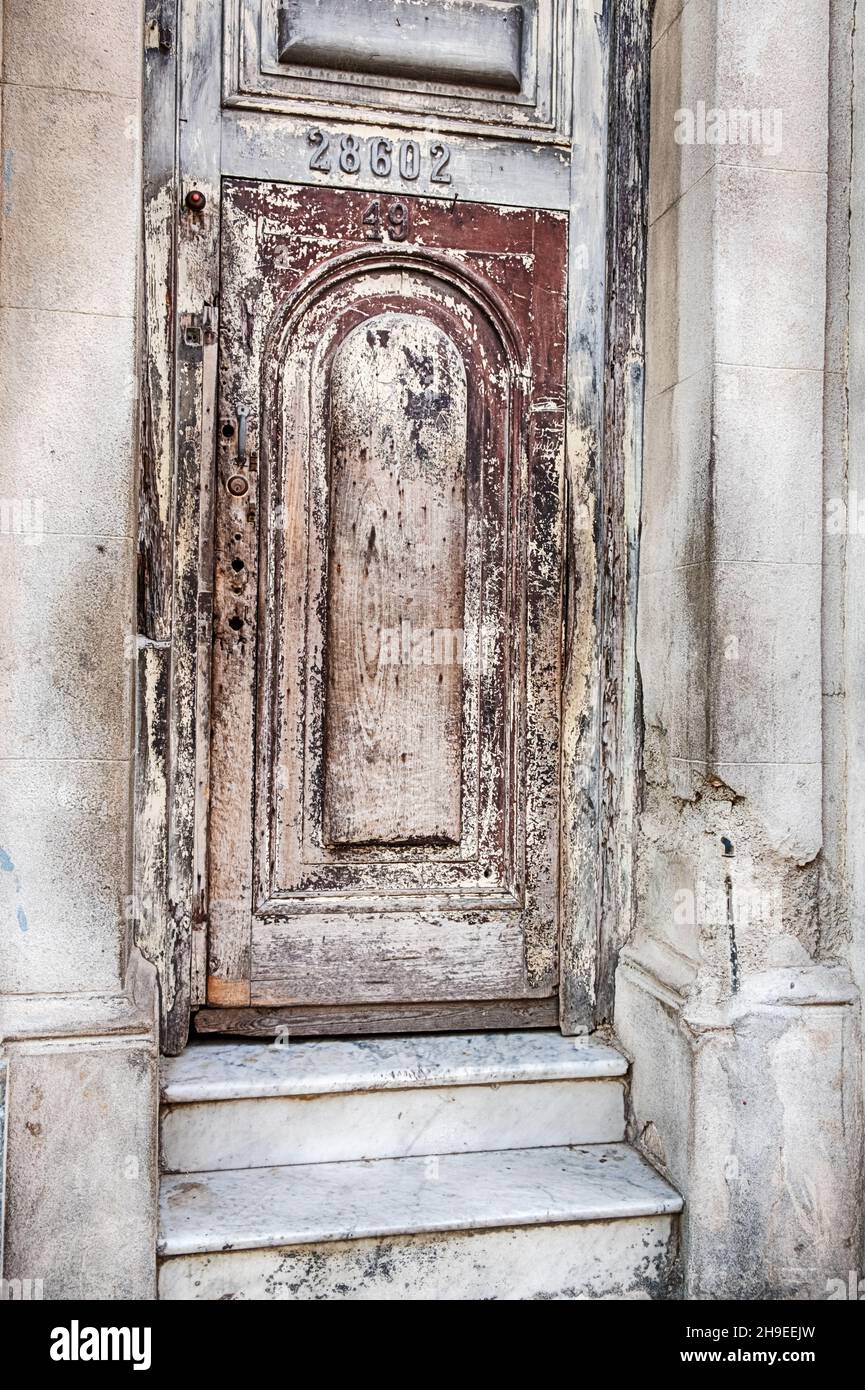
[[318, 1203], [210, 1071]]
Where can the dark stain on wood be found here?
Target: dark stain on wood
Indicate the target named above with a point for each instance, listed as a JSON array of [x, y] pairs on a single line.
[[155, 489]]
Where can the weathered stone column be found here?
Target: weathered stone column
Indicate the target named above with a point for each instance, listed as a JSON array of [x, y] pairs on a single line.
[[742, 1025], [76, 1028]]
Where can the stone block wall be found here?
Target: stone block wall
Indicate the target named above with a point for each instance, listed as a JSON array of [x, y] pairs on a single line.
[[76, 1016], [740, 1012]]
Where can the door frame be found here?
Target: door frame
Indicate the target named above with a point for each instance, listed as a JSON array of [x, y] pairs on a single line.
[[600, 734]]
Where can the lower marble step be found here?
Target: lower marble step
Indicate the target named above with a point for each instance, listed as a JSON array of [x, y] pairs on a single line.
[[589, 1222]]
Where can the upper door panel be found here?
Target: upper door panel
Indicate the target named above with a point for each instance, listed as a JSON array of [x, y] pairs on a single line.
[[481, 66]]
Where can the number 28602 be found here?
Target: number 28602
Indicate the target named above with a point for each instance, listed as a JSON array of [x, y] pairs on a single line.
[[384, 158]]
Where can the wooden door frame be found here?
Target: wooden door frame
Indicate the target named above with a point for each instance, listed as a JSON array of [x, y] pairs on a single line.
[[600, 695]]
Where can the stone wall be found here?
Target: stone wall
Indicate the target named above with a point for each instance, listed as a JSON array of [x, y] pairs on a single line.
[[846, 485], [734, 999], [76, 1015]]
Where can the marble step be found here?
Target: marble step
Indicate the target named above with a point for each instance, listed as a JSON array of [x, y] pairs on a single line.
[[590, 1221], [253, 1105]]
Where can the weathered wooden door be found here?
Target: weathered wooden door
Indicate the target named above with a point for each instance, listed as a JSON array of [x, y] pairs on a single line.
[[384, 805], [387, 684]]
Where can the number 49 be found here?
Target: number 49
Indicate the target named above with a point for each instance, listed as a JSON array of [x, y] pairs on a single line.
[[395, 221]]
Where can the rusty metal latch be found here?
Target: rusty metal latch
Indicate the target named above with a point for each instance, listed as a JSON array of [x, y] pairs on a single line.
[[242, 418], [159, 25], [198, 329]]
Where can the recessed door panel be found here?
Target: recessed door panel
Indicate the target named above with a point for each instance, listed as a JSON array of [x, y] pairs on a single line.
[[387, 603], [396, 586]]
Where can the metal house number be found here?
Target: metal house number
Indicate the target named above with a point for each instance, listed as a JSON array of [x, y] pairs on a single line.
[[404, 159], [391, 220]]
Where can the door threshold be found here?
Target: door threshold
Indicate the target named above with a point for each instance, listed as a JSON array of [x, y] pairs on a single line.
[[352, 1019]]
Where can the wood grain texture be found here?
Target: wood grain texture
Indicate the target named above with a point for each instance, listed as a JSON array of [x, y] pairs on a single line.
[[440, 1017], [621, 713], [601, 731], [153, 920], [582, 697], [362, 894], [606, 200], [379, 957], [195, 401], [396, 565], [152, 926], [159, 201], [294, 856]]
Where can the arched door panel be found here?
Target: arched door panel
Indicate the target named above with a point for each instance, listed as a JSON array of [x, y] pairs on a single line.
[[387, 610]]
